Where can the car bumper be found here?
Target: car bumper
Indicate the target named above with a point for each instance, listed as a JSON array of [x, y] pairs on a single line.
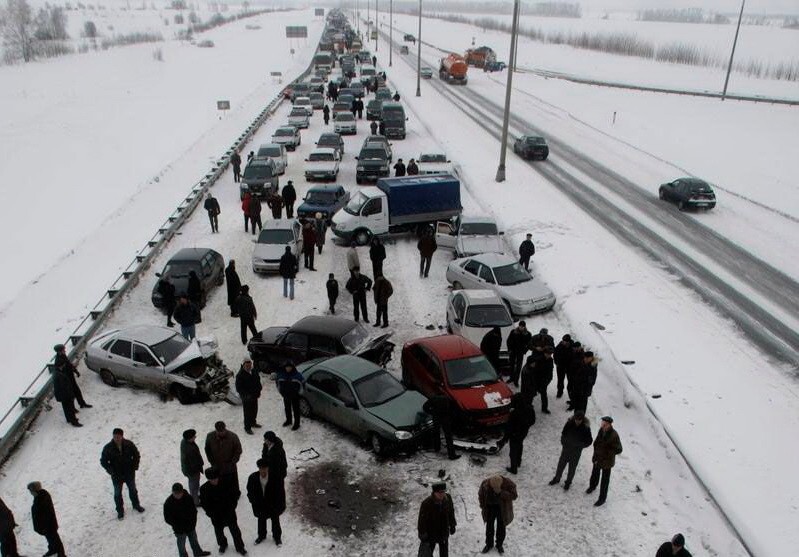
[[531, 307], [346, 131], [371, 174], [343, 234], [395, 133], [262, 266], [327, 175], [701, 204]]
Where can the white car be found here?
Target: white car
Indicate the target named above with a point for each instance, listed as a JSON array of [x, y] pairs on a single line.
[[322, 164], [503, 274], [289, 136], [299, 117], [277, 153], [434, 163], [303, 103], [271, 244], [345, 123], [472, 313], [426, 72], [470, 236]]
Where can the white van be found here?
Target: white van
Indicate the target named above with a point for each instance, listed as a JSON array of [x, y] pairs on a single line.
[[277, 153]]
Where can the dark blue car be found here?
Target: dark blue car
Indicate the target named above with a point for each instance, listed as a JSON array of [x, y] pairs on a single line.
[[323, 199]]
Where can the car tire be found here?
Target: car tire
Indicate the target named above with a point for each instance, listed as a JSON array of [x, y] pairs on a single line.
[[108, 378], [377, 444], [305, 408], [662, 194], [362, 237], [457, 285], [183, 394], [681, 205]]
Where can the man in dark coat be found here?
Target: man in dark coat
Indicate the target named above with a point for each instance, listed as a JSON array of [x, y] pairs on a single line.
[[377, 254], [562, 357], [358, 285], [308, 245], [354, 107], [267, 495], [289, 195], [673, 548], [427, 246], [437, 520], [359, 107], [8, 540], [396, 97], [288, 270], [496, 496], [223, 451], [381, 128], [275, 203], [211, 206], [187, 315], [526, 251], [219, 503], [233, 283], [290, 383], [583, 378], [382, 291], [275, 455], [522, 417], [413, 168], [65, 394], [575, 366], [320, 227], [374, 61], [235, 161], [45, 522], [373, 127], [575, 437], [399, 168], [195, 289], [180, 513], [254, 212], [191, 462], [541, 340], [491, 346], [167, 291], [542, 377], [326, 114], [518, 344], [245, 307], [120, 459], [606, 446], [248, 385], [442, 410], [527, 376], [332, 292]]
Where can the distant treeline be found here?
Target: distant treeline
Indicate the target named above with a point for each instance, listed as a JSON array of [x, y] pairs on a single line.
[[685, 15], [546, 9]]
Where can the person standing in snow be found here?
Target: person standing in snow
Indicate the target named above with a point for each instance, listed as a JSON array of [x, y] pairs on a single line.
[[120, 459], [496, 496], [326, 114], [583, 380], [373, 127], [575, 437], [233, 284], [396, 97], [250, 156], [191, 462], [45, 522], [219, 503], [167, 291], [180, 512], [377, 254], [308, 245], [223, 451], [541, 340], [290, 384], [542, 377], [399, 168], [320, 225], [606, 446], [235, 161], [62, 362], [267, 495], [381, 128], [245, 307], [357, 286], [332, 292], [255, 214], [526, 251], [245, 208], [288, 270], [442, 410], [211, 206], [360, 108], [413, 168], [64, 393], [427, 246], [187, 315], [674, 548], [275, 455], [195, 289], [521, 419], [518, 344], [563, 353], [353, 260], [491, 346], [436, 521], [8, 539], [289, 198], [248, 385], [382, 290], [275, 203]]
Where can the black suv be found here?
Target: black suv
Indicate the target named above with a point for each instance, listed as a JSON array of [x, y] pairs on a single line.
[[207, 263], [531, 147], [259, 179], [372, 163], [688, 193]]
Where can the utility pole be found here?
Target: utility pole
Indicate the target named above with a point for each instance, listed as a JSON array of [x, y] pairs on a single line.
[[390, 31], [732, 54], [419, 55], [506, 118], [377, 25], [357, 17]]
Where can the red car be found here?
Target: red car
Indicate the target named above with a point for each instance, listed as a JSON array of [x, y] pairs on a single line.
[[453, 366]]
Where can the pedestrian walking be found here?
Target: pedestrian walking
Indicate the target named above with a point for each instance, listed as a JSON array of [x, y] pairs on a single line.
[[427, 246], [120, 459], [320, 225], [187, 315], [542, 377], [358, 285], [520, 420], [290, 384], [575, 437], [235, 161], [413, 168], [518, 344], [45, 522], [562, 358], [308, 245], [354, 107], [255, 214], [496, 496], [211, 206], [674, 548], [374, 61], [219, 503], [167, 292], [377, 254], [223, 451], [245, 208], [442, 410], [288, 270], [180, 512], [326, 114], [373, 127], [65, 394], [267, 495], [332, 292], [399, 168], [526, 251], [191, 462], [275, 455], [195, 290], [289, 195], [491, 346], [233, 284], [436, 521], [8, 539], [606, 446], [245, 307], [353, 260], [248, 385], [382, 290], [541, 340], [275, 203]]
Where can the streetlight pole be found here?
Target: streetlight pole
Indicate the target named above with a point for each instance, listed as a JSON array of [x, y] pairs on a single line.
[[357, 17], [377, 25], [732, 54], [506, 118], [390, 31], [419, 55]]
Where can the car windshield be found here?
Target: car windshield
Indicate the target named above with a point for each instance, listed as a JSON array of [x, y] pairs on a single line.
[[298, 113], [269, 152], [378, 388], [275, 236], [321, 197], [479, 228], [355, 337], [254, 172], [355, 204], [284, 132], [393, 114], [374, 103], [433, 158], [534, 140], [345, 117], [470, 372], [508, 275], [178, 269], [171, 348], [488, 316], [321, 157], [369, 154]]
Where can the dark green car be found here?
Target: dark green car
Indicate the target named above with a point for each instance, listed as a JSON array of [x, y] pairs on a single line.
[[365, 400]]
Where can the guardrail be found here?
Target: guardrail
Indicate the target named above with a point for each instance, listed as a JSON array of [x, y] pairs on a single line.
[[18, 419]]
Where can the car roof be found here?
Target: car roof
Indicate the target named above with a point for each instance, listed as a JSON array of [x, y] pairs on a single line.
[[279, 224], [448, 347], [270, 146], [694, 181], [375, 139], [392, 104], [480, 297], [328, 325], [351, 368], [326, 188], [292, 128], [261, 162], [146, 334], [493, 259], [190, 254], [330, 135], [483, 218]]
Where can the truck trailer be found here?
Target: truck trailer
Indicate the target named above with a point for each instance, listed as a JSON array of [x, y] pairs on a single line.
[[453, 69]]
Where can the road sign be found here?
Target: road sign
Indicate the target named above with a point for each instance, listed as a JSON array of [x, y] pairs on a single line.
[[223, 105], [276, 74], [296, 32]]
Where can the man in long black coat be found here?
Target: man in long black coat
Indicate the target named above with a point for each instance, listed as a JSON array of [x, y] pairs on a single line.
[[120, 458], [63, 392], [8, 540], [233, 283], [211, 206], [575, 437], [167, 291], [358, 285], [62, 361], [518, 344], [289, 195], [377, 254], [526, 251], [275, 455], [267, 495], [248, 385], [491, 345], [45, 522], [245, 307], [180, 513], [542, 377], [191, 462], [219, 503], [235, 161], [522, 417], [195, 289], [563, 354], [442, 409]]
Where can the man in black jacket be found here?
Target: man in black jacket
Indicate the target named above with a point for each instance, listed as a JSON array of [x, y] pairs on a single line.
[[62, 362], [436, 521], [120, 458], [45, 522], [674, 548], [377, 254], [167, 291], [64, 393], [491, 345], [267, 495], [8, 540], [358, 285], [526, 251], [235, 161], [289, 195], [288, 270], [518, 344], [332, 292], [442, 410], [583, 378], [399, 168], [248, 385], [187, 315], [191, 462], [275, 455], [575, 437], [245, 307], [219, 503], [563, 354], [359, 107], [542, 377], [180, 513], [522, 417], [211, 205], [233, 284]]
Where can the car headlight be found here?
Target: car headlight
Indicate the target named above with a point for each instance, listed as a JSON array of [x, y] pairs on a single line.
[[384, 167], [245, 187], [403, 435], [361, 168]]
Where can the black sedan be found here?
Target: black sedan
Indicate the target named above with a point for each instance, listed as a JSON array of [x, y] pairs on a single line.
[[312, 337], [531, 147], [207, 263], [688, 193]]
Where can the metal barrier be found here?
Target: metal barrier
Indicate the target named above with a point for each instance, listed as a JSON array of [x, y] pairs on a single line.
[[27, 407]]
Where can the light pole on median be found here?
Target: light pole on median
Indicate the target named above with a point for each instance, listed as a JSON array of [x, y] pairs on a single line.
[[390, 30], [732, 54], [506, 118], [377, 25], [419, 55]]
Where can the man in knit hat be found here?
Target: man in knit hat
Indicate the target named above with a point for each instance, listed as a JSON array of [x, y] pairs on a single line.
[[436, 521], [606, 446], [496, 496], [674, 548]]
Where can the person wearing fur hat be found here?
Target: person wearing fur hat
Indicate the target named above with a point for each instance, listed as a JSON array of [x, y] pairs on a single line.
[[606, 446], [496, 496], [674, 548], [436, 521], [575, 437]]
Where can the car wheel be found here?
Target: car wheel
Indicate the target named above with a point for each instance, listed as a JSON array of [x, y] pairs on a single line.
[[362, 237], [182, 393], [662, 194], [221, 280], [544, 157], [681, 205], [108, 378], [305, 408], [378, 445], [457, 286]]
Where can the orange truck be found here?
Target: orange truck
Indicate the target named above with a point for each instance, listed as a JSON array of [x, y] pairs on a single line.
[[453, 69], [480, 56]]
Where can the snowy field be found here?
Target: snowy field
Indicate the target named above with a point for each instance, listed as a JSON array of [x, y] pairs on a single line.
[[123, 144]]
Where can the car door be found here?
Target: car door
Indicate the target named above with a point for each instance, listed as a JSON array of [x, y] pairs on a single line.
[[146, 367], [425, 380], [455, 313], [293, 348], [470, 274], [373, 214], [322, 347], [318, 387], [446, 235], [119, 360], [344, 408], [486, 277]]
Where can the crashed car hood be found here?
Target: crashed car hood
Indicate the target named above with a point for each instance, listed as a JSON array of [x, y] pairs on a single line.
[[482, 397], [530, 290], [321, 166], [370, 344], [402, 412], [203, 349], [473, 244], [270, 251]]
